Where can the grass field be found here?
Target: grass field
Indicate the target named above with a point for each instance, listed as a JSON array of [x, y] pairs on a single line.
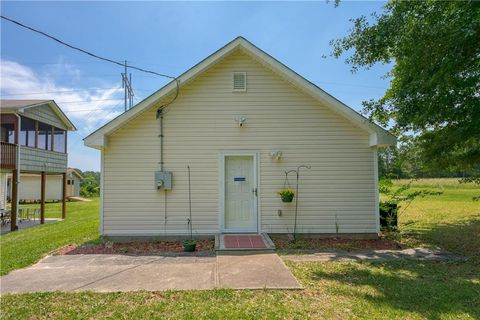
[[450, 220], [24, 247], [402, 289]]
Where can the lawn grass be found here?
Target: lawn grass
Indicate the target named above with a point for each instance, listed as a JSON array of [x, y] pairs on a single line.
[[25, 247], [398, 289], [450, 221]]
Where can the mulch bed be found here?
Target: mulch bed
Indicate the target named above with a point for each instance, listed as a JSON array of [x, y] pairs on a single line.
[[337, 244], [133, 247]]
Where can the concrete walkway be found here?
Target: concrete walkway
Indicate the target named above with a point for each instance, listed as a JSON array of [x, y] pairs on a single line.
[[109, 273], [414, 253]]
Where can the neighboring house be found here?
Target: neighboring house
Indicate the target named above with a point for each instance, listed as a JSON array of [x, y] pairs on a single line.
[[73, 182], [33, 141], [240, 120], [30, 186]]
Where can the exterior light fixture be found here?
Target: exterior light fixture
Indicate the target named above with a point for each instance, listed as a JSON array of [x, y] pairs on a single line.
[[240, 121], [276, 155]]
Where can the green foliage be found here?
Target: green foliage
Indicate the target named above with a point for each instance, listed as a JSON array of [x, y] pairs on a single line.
[[90, 184], [395, 196], [287, 194], [433, 96], [474, 179]]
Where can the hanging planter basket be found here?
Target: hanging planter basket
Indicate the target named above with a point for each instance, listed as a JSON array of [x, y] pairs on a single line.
[[286, 195]]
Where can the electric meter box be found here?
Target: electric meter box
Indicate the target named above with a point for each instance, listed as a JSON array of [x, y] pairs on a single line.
[[163, 180]]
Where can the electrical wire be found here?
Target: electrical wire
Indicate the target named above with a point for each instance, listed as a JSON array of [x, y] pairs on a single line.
[[93, 54], [66, 91], [83, 50], [94, 109]]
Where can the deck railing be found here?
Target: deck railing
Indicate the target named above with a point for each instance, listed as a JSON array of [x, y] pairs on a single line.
[[8, 155]]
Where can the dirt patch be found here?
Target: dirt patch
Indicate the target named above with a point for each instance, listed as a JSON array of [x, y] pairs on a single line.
[[338, 244], [133, 247]]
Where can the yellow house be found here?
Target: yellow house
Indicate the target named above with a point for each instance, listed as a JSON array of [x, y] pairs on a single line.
[[240, 119]]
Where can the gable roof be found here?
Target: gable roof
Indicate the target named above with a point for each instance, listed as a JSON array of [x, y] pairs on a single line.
[[378, 135], [75, 172], [18, 106]]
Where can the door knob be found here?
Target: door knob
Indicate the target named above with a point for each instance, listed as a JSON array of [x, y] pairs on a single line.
[[255, 192]]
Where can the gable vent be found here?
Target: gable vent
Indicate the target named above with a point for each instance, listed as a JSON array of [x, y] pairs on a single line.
[[239, 81]]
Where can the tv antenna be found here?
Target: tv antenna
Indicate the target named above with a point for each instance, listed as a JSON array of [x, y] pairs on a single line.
[[128, 89]]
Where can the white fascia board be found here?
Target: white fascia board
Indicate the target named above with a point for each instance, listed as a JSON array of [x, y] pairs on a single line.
[[160, 94], [382, 137], [379, 139], [335, 105], [97, 142]]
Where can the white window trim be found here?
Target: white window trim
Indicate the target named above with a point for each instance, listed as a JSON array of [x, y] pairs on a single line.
[[221, 189]]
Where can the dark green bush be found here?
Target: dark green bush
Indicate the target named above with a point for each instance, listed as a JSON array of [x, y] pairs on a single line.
[[389, 215]]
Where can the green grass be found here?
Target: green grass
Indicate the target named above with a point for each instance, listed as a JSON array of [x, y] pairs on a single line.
[[25, 247], [400, 289], [450, 220]]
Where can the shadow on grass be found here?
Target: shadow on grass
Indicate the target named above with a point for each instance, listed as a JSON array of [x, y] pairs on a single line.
[[431, 289], [462, 238]]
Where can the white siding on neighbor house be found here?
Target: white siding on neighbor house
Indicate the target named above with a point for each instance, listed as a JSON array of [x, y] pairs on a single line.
[[29, 187], [3, 189], [73, 189], [338, 191]]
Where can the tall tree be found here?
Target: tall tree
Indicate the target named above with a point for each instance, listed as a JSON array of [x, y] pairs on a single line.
[[434, 93]]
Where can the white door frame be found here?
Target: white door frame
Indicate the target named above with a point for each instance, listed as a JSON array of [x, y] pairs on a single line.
[[221, 189]]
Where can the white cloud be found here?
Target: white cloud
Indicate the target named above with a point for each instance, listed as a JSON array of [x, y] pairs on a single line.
[[87, 108]]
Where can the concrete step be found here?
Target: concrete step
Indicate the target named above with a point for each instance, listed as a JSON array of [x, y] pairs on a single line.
[[243, 243]]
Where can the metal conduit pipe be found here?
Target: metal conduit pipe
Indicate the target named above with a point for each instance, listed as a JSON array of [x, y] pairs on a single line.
[[160, 115]]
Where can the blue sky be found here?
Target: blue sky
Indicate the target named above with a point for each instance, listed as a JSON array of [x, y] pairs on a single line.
[[168, 37]]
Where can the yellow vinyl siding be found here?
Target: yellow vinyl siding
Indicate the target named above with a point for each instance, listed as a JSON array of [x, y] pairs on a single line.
[[200, 123]]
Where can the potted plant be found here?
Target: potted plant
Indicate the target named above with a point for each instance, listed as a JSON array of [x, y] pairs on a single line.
[[287, 194], [189, 245]]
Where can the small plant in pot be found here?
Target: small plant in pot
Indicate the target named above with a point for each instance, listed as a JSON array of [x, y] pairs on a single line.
[[189, 245], [287, 194]]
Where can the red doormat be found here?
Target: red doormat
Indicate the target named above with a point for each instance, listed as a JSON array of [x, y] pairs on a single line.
[[244, 242]]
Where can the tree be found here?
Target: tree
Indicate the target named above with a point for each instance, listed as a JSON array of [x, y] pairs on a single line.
[[90, 184], [434, 93]]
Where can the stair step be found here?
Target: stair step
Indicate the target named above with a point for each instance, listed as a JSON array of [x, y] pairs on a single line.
[[235, 243]]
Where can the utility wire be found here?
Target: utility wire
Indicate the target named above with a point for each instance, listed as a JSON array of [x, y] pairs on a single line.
[[82, 50], [66, 91], [94, 109], [93, 54]]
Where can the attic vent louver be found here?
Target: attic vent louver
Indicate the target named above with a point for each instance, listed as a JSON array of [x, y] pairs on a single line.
[[239, 81]]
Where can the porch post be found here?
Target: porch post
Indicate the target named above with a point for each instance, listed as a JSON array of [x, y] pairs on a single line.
[[42, 199], [64, 195], [13, 214]]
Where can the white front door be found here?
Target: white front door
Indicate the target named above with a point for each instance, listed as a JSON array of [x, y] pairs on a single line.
[[240, 194]]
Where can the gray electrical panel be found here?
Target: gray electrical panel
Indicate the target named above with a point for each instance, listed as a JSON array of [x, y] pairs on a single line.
[[163, 180]]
